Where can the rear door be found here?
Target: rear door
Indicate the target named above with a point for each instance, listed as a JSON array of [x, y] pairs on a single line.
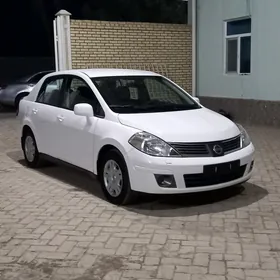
[[45, 115]]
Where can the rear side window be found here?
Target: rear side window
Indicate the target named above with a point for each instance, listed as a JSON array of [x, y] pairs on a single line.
[[50, 92]]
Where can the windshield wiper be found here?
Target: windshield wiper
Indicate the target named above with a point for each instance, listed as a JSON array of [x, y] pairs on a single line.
[[173, 107], [121, 106], [155, 108]]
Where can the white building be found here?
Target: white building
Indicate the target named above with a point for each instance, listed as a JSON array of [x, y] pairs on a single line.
[[238, 57]]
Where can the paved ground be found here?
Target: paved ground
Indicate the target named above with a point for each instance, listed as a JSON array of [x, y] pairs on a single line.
[[54, 224]]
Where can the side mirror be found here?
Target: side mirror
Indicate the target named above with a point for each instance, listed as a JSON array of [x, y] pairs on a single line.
[[84, 110], [196, 99]]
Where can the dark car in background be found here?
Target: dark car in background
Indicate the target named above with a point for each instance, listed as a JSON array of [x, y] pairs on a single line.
[[12, 93]]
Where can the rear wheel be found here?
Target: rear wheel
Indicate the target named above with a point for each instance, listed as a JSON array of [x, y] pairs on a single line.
[[114, 178], [30, 151]]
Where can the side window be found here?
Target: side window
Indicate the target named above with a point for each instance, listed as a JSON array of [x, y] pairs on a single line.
[[50, 92], [78, 92]]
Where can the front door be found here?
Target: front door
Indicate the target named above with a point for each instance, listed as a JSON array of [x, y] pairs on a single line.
[[77, 132]]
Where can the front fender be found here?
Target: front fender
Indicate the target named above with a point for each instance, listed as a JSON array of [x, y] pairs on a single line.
[[113, 134], [121, 146]]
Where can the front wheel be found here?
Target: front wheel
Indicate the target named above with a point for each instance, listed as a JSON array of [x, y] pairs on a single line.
[[114, 178]]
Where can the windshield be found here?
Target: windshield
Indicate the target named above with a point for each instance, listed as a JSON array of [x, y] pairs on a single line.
[[143, 94]]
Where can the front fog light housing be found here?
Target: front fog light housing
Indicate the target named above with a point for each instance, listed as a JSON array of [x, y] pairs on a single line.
[[245, 138], [166, 181]]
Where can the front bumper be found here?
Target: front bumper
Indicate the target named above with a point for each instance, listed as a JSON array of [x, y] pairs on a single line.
[[142, 169]]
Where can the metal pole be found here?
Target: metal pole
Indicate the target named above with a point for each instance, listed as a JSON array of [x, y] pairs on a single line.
[[69, 49], [55, 45], [194, 29], [60, 44], [193, 15]]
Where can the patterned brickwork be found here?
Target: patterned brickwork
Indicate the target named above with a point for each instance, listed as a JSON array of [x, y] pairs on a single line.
[[55, 224], [163, 48]]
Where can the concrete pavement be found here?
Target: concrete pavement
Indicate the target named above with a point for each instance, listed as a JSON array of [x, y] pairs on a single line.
[[55, 224]]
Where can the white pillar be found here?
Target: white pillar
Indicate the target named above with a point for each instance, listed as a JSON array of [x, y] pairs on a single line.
[[63, 41]]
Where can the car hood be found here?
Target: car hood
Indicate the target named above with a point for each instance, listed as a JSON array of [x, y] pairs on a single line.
[[201, 125]]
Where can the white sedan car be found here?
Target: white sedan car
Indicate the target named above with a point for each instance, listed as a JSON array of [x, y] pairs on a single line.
[[136, 130]]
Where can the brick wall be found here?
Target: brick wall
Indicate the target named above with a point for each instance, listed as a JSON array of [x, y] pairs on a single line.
[[162, 48]]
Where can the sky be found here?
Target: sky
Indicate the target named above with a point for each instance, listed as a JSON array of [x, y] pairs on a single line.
[[21, 31], [26, 27]]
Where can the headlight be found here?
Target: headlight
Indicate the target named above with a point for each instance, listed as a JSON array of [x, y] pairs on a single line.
[[245, 138], [152, 145]]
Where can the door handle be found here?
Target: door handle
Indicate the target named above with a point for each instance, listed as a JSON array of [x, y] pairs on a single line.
[[60, 118], [35, 111]]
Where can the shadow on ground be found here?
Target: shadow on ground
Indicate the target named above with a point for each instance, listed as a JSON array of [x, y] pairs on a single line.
[[200, 203], [79, 180], [160, 205]]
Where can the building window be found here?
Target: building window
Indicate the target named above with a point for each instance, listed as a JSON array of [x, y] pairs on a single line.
[[238, 46]]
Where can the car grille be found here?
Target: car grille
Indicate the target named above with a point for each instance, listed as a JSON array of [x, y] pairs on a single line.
[[215, 174], [206, 149]]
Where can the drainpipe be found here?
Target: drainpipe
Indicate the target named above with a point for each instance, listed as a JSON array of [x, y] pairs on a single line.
[[194, 46], [192, 19]]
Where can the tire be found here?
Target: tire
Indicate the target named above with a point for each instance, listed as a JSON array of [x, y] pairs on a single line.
[[121, 195], [30, 151]]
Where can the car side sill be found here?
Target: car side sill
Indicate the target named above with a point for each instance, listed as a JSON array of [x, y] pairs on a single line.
[[66, 164]]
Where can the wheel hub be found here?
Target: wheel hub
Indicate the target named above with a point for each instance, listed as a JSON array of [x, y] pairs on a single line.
[[113, 178]]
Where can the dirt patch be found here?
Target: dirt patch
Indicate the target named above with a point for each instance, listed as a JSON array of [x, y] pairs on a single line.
[[103, 266]]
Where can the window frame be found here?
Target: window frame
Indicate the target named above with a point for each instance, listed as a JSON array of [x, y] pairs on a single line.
[[238, 37], [67, 84], [47, 81]]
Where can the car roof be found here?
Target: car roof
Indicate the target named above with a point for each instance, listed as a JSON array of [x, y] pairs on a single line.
[[102, 72]]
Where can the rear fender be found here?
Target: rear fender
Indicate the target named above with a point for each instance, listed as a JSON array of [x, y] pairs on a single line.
[[24, 114]]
